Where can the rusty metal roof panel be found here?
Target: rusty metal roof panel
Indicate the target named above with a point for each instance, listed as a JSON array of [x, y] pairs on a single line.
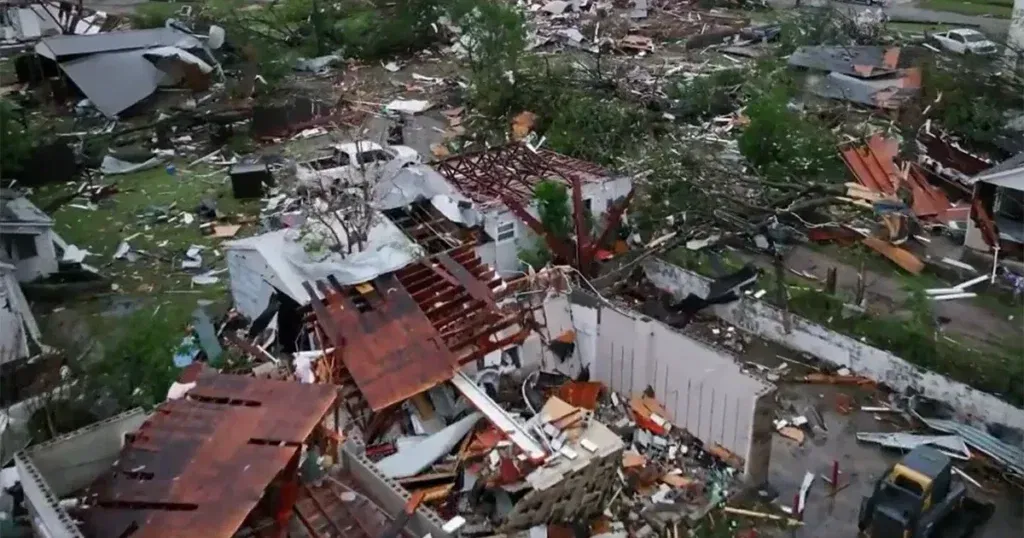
[[390, 348], [198, 467], [513, 171]]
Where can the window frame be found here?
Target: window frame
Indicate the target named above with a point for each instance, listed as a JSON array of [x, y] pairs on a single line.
[[509, 234]]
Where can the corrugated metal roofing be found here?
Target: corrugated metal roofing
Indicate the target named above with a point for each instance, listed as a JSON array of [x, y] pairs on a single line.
[[1009, 173], [1009, 456], [864, 62], [198, 466], [136, 79], [1016, 161], [73, 45]]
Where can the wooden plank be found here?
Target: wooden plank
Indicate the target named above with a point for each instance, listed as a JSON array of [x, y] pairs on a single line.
[[897, 255], [476, 289]]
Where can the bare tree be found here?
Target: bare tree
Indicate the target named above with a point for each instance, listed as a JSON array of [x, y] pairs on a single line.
[[339, 200]]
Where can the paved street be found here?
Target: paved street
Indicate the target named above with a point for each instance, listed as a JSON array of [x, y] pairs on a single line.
[[906, 11]]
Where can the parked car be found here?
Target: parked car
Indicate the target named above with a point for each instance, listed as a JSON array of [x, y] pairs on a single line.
[[964, 41], [350, 163]]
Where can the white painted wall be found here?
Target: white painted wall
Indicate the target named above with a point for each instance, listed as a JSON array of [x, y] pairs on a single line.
[[703, 389], [1015, 36], [506, 254], [250, 289], [59, 467], [44, 263], [17, 324], [765, 320]]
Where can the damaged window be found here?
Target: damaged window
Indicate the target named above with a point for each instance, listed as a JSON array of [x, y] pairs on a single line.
[[341, 159], [373, 156], [506, 231], [1010, 204], [20, 246]]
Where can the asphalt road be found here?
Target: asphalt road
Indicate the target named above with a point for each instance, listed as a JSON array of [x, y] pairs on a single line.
[[905, 11]]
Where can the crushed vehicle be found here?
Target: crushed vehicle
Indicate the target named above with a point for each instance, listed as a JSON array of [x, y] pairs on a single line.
[[350, 163]]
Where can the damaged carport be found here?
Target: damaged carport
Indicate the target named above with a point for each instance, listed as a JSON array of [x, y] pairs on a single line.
[[414, 329], [116, 70]]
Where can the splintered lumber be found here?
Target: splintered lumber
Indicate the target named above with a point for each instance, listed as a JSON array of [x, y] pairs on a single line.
[[795, 434], [897, 255], [836, 379], [763, 515]]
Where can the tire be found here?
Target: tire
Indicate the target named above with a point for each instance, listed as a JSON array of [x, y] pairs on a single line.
[[864, 516]]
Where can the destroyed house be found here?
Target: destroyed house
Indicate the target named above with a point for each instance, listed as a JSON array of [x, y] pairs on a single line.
[[500, 181], [143, 60], [878, 77], [25, 21], [222, 461], [997, 209], [26, 237]]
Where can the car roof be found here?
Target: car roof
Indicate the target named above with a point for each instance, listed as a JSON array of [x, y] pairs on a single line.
[[965, 31], [357, 147]]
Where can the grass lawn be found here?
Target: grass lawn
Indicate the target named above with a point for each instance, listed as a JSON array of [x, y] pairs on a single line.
[[156, 279], [1001, 9]]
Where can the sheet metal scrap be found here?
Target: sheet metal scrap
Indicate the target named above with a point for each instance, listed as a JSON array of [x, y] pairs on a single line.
[[949, 444], [198, 466], [1010, 457], [888, 93], [862, 62]]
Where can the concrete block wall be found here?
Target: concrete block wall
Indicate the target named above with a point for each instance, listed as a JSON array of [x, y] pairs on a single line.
[[386, 491], [582, 490], [68, 463], [703, 389], [766, 321]]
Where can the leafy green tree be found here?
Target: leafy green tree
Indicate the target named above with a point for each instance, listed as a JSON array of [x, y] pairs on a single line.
[[17, 138], [786, 146], [136, 368], [554, 208]]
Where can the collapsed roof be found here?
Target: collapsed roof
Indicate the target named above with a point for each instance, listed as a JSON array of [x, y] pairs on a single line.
[[513, 171], [141, 61], [198, 466]]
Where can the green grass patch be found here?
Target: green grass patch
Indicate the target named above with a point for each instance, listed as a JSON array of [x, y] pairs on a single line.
[[1001, 9], [913, 338], [909, 334], [125, 214]]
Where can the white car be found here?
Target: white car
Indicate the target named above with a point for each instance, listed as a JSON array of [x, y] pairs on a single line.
[[351, 163], [965, 41]]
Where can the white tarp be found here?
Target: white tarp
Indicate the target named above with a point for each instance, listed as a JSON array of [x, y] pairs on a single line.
[[112, 165], [287, 258], [403, 183]]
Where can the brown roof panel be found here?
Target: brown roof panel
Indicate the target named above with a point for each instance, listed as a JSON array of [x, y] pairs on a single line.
[[198, 467], [389, 347]]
